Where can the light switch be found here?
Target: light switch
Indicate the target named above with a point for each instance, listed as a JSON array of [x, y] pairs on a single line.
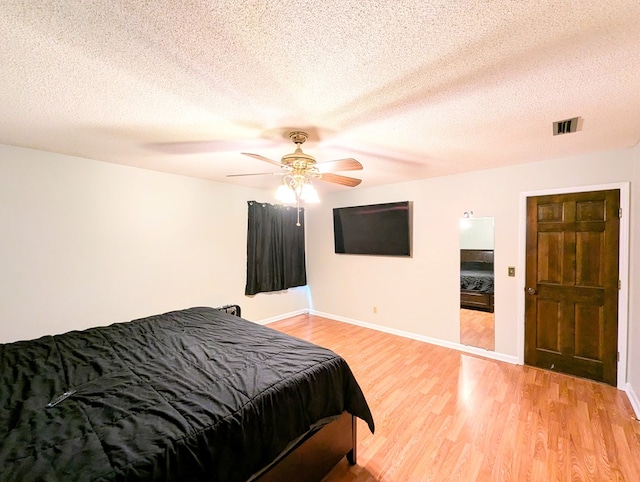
[[512, 270]]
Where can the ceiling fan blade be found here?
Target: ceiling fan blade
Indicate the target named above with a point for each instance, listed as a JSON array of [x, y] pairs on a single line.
[[338, 179], [348, 164], [261, 158], [257, 174], [208, 146]]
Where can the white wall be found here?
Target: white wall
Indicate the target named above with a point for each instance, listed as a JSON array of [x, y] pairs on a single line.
[[420, 295], [633, 366], [85, 243]]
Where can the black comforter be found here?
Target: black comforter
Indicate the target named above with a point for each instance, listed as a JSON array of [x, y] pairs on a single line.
[[476, 280], [189, 395]]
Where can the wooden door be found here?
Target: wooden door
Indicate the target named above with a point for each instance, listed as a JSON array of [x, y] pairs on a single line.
[[571, 299]]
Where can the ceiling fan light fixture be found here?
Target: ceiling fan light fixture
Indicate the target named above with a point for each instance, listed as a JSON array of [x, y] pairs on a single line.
[[285, 194], [309, 194], [296, 188]]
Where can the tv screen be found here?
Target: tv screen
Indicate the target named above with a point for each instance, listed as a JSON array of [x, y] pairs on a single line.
[[379, 229]]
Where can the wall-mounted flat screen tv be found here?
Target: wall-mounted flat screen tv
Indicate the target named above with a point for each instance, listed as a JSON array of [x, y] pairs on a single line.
[[378, 229]]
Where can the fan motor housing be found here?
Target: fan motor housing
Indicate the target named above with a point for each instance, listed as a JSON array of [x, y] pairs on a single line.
[[298, 159]]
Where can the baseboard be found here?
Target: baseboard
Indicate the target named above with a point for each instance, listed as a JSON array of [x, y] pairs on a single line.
[[633, 398], [434, 341], [266, 321]]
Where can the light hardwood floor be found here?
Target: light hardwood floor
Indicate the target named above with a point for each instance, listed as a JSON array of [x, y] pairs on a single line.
[[477, 328], [443, 415]]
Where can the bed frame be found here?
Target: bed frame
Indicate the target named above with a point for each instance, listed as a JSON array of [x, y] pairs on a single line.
[[476, 300], [315, 454]]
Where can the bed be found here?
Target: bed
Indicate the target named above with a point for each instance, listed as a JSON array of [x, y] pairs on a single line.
[[191, 395], [476, 279]]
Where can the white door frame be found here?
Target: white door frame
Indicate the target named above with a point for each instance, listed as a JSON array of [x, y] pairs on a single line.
[[623, 293]]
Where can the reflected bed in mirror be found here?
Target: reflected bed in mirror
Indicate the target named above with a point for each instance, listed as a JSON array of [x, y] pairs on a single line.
[[477, 322]]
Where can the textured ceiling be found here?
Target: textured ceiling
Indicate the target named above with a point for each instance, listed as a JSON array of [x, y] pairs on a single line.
[[412, 89]]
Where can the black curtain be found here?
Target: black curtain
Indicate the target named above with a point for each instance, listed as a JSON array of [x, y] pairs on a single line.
[[275, 248]]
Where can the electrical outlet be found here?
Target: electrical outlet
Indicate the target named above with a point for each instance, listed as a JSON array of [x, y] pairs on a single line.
[[512, 271]]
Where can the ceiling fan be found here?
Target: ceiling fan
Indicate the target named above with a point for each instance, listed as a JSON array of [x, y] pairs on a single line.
[[300, 169]]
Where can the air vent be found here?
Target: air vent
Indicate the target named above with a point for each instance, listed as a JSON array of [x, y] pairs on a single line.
[[565, 126]]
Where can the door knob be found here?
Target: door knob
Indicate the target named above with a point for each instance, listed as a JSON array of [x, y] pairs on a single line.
[[531, 291]]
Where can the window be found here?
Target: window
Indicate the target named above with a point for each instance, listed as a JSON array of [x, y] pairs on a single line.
[[275, 248]]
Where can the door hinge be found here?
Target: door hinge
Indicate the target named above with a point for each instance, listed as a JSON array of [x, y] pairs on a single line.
[[619, 284], [620, 213], [618, 356]]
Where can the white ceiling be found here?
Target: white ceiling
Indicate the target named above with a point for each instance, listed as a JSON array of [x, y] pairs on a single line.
[[412, 89]]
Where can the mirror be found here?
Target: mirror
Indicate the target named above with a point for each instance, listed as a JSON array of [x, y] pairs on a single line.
[[477, 322]]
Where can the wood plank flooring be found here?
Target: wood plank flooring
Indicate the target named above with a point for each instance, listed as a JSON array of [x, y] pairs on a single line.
[[443, 415], [477, 328]]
